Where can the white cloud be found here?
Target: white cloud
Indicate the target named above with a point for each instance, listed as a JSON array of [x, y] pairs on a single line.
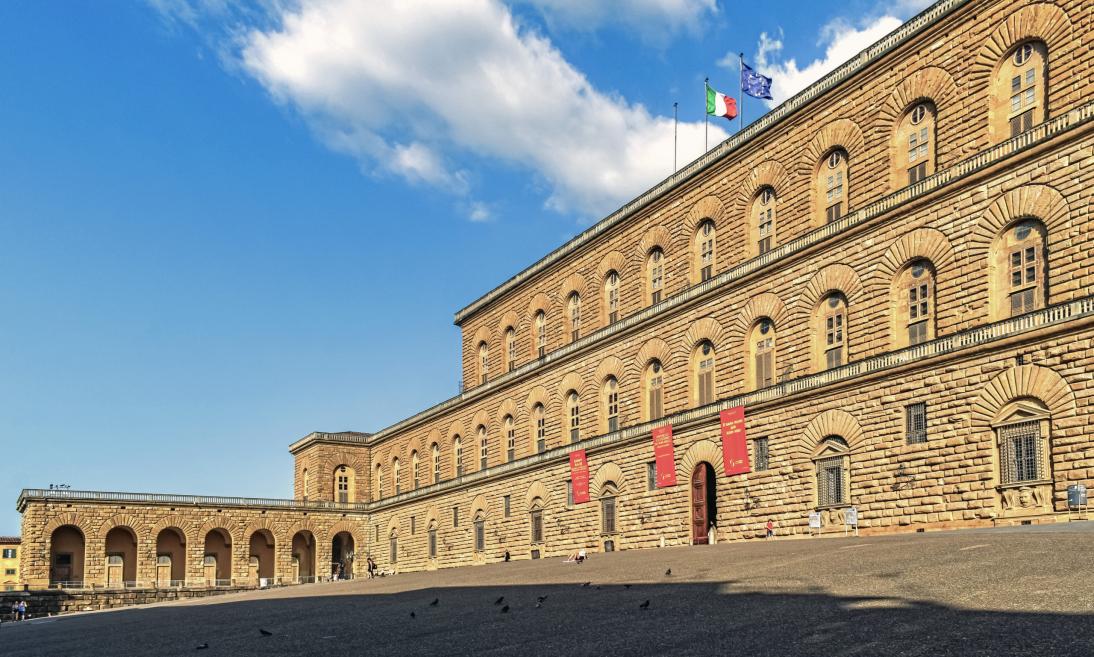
[[841, 42], [656, 19], [411, 87], [479, 212]]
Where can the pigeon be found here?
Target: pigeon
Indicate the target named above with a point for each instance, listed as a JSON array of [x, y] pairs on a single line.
[[541, 598], [598, 588], [586, 584], [436, 601], [412, 615], [202, 646], [668, 573], [499, 600], [265, 632], [644, 605], [626, 586], [505, 609]]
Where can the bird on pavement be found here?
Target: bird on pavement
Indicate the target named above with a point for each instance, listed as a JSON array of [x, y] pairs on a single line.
[[668, 573], [644, 605], [412, 615], [586, 583], [626, 586], [436, 601], [541, 598], [265, 632], [505, 609], [499, 600]]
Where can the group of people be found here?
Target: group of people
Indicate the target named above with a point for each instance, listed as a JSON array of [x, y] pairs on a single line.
[[19, 610]]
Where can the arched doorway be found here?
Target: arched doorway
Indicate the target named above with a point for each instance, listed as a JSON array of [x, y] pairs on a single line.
[[704, 502], [342, 554], [66, 557], [261, 562], [303, 555], [121, 557], [217, 565], [170, 557]]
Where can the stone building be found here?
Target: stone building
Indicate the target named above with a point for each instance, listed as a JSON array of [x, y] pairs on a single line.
[[9, 563], [889, 273]]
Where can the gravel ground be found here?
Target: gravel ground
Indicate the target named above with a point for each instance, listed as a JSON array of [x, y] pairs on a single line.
[[1022, 591]]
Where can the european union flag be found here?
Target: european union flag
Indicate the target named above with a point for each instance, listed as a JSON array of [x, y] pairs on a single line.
[[754, 84]]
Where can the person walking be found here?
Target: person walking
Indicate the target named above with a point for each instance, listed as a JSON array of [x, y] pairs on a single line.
[[371, 568], [770, 529], [22, 610]]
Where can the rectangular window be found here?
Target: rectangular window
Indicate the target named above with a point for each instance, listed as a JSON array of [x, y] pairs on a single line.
[[432, 543], [830, 481], [651, 475], [455, 516], [613, 317], [377, 540], [1022, 302], [9, 571], [480, 535], [759, 454], [607, 514], [764, 245], [917, 173], [569, 494], [393, 547], [613, 411], [511, 444], [915, 422], [833, 212], [656, 409], [1020, 455], [537, 526], [9, 553], [413, 524], [833, 357], [706, 272], [1021, 123], [706, 385], [655, 297], [505, 505], [765, 370], [917, 333], [575, 423]]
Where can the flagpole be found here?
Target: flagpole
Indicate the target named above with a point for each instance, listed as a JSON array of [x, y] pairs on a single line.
[[674, 124], [741, 94], [706, 117]]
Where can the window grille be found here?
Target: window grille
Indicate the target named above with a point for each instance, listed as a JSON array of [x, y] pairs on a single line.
[[505, 505], [915, 422], [651, 475], [413, 524], [759, 452], [830, 485], [480, 535], [537, 526], [393, 547], [455, 516], [1020, 452], [569, 493], [432, 543], [607, 512]]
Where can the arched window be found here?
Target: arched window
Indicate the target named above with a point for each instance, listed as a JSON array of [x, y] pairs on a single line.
[[344, 484], [479, 523], [484, 448], [435, 451], [832, 184], [1020, 95], [1022, 432], [306, 483], [540, 326], [763, 220], [395, 475], [539, 428], [393, 546], [654, 384], [457, 454], [1019, 264], [414, 474], [913, 297], [608, 493], [832, 320], [704, 250], [832, 461], [573, 312], [431, 539], [378, 484], [703, 366], [655, 275], [761, 354], [915, 142], [611, 296], [510, 348], [611, 404], [484, 361], [573, 412], [510, 438]]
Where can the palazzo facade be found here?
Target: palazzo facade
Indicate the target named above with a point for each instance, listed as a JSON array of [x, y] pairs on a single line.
[[891, 273]]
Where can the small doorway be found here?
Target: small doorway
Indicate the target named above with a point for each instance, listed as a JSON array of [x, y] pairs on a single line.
[[210, 566], [163, 570], [704, 502], [115, 565]]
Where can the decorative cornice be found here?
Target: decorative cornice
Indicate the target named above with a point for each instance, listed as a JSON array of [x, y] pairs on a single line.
[[859, 62], [164, 499], [1050, 129]]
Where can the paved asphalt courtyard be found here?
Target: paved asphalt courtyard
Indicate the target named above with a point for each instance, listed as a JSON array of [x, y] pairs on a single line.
[[1022, 591]]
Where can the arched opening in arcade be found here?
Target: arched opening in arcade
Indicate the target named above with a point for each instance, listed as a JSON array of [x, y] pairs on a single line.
[[342, 555], [704, 502], [303, 556], [170, 557], [66, 557], [261, 561], [217, 564], [121, 557]]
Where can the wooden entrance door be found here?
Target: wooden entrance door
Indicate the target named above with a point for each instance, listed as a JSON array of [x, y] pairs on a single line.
[[163, 570], [62, 568], [253, 570], [699, 515], [115, 566], [210, 566]]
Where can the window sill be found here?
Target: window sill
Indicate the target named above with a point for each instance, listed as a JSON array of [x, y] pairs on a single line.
[[1025, 484]]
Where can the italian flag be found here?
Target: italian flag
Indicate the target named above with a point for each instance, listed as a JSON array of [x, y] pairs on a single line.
[[719, 104]]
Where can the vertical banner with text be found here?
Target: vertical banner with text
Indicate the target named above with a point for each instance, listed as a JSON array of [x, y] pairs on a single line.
[[734, 446], [664, 454], [579, 476]]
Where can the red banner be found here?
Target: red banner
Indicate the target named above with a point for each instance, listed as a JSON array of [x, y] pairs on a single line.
[[734, 447], [664, 454], [579, 476]]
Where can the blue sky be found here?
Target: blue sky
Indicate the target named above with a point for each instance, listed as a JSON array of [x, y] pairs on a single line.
[[226, 226]]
